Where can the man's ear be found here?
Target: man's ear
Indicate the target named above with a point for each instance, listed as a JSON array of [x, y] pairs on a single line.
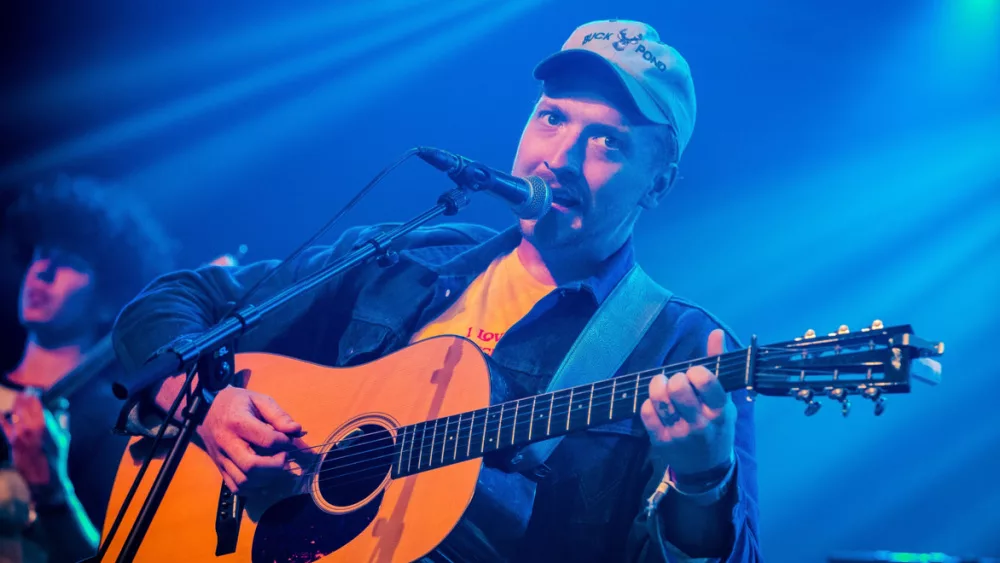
[[662, 183]]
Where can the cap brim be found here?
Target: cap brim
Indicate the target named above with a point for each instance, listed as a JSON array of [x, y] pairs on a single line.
[[575, 59]]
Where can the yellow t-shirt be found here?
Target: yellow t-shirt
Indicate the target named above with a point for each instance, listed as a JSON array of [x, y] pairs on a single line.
[[492, 303]]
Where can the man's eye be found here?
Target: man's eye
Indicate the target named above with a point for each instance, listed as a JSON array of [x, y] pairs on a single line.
[[611, 143], [551, 118]]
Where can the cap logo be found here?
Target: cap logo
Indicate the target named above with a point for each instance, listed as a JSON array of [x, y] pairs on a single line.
[[600, 35], [624, 40]]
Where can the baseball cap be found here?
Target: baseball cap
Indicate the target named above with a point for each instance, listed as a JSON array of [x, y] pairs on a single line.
[[654, 74]]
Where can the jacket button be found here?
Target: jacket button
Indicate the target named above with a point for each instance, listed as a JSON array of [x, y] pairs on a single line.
[[447, 293]]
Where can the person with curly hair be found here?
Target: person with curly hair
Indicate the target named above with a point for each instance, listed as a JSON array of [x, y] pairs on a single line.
[[93, 249]]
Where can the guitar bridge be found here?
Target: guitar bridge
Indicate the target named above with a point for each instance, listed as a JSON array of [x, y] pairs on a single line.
[[227, 521]]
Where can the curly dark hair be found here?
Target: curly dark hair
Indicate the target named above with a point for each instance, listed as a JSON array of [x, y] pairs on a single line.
[[110, 229]]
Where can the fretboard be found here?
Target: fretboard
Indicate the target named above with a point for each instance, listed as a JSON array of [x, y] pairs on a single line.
[[443, 441]]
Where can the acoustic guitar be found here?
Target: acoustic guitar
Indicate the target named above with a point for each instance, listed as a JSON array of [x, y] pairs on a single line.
[[394, 447]]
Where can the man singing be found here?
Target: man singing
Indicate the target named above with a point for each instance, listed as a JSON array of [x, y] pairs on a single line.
[[616, 111]]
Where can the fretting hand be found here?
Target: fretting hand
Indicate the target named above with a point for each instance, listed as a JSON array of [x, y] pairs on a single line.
[[690, 418], [39, 448]]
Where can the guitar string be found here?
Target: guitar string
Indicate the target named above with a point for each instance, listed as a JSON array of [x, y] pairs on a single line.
[[604, 385], [560, 399], [562, 410], [599, 386], [724, 363], [383, 468]]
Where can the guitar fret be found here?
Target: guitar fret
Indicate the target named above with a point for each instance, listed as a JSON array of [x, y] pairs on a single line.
[[402, 448], [614, 397], [531, 423], [409, 459], [552, 400], [513, 430], [635, 399], [458, 431], [500, 425], [430, 456], [486, 423], [590, 403], [472, 425], [423, 436], [444, 440], [569, 410]]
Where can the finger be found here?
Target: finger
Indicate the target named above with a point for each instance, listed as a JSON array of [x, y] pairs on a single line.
[[716, 342], [6, 422], [301, 452], [232, 475], [259, 433], [706, 384], [28, 405], [660, 398], [229, 483], [659, 394], [28, 410], [247, 460], [274, 415], [658, 389], [683, 398], [651, 420]]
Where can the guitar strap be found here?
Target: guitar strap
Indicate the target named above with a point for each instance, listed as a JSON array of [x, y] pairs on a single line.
[[606, 342]]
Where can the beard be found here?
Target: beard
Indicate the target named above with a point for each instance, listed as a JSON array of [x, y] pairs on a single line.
[[554, 231]]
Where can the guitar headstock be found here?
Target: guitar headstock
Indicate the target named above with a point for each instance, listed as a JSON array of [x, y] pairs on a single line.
[[871, 362]]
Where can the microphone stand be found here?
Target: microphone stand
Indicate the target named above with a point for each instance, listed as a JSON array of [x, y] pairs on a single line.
[[212, 354]]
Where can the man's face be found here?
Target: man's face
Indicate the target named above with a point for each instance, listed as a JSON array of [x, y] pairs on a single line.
[[57, 294], [597, 154]]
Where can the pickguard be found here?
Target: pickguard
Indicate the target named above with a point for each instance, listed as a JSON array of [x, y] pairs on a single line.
[[297, 531]]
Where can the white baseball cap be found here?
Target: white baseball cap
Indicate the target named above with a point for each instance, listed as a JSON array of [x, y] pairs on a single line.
[[654, 74]]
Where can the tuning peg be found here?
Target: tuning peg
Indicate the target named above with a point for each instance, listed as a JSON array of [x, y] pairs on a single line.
[[843, 330], [877, 325], [875, 395], [806, 396], [810, 333], [841, 396]]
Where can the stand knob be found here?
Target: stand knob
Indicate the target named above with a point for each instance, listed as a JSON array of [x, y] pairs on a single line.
[[841, 396], [875, 395], [806, 396]]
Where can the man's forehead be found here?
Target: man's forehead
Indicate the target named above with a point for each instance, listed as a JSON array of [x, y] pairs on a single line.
[[600, 88], [613, 113]]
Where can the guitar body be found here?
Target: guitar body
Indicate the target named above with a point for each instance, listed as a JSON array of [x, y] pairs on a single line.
[[362, 515]]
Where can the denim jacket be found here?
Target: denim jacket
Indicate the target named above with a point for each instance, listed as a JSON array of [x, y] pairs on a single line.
[[587, 501]]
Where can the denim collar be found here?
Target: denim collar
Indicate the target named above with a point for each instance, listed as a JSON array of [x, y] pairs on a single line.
[[473, 261]]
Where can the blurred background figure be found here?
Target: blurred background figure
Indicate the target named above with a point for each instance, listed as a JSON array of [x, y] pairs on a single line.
[[87, 249]]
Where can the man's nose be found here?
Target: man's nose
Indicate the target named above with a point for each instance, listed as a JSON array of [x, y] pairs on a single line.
[[566, 160]]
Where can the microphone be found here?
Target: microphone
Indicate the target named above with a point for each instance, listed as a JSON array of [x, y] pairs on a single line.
[[529, 198]]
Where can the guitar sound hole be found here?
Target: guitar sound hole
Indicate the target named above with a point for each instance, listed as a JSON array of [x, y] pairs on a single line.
[[356, 466]]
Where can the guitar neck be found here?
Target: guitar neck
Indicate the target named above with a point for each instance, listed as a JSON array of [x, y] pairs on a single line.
[[98, 358], [443, 441]]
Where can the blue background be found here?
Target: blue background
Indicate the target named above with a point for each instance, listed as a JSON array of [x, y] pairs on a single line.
[[845, 167]]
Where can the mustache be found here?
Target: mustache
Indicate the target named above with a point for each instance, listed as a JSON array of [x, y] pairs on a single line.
[[575, 193]]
